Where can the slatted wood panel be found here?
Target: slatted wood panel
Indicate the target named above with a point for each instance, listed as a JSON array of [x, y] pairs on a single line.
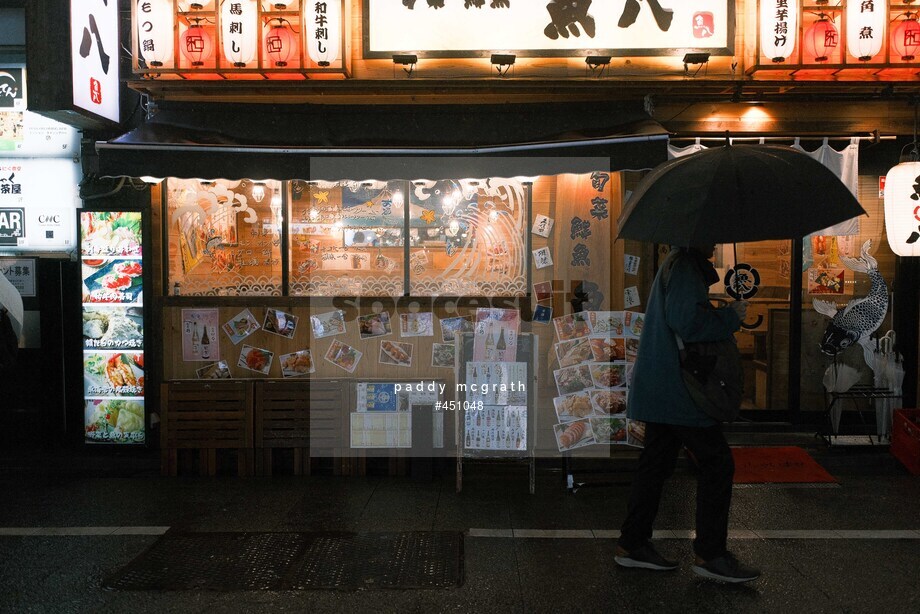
[[207, 416], [329, 410], [282, 420]]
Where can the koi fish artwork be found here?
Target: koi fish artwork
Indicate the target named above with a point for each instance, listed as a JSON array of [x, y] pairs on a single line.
[[861, 317]]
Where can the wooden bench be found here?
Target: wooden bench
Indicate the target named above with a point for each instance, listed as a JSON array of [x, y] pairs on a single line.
[[207, 416]]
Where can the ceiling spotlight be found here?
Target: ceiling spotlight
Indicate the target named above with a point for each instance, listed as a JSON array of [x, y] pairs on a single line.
[[503, 62], [407, 61], [598, 64], [695, 58]]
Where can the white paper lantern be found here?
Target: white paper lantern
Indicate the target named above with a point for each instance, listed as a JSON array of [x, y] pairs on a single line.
[[239, 30], [902, 208], [865, 28], [779, 25], [155, 23], [322, 28]]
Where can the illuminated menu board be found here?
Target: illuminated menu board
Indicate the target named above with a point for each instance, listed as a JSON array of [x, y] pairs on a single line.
[[113, 326]]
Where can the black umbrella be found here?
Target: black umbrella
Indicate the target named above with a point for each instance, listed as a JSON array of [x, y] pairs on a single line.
[[736, 194]]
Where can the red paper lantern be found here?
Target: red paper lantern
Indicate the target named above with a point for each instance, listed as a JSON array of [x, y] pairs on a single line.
[[906, 38], [197, 45], [820, 39], [280, 44]]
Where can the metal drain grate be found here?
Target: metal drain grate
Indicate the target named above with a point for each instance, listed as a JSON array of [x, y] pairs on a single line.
[[296, 561]]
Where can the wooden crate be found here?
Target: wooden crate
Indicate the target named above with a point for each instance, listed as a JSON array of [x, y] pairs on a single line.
[[207, 416], [282, 420]]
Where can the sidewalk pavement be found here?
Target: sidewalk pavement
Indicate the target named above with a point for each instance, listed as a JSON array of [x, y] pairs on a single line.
[[852, 547]]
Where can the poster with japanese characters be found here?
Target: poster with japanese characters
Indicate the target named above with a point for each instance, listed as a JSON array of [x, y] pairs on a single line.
[[200, 338], [495, 334]]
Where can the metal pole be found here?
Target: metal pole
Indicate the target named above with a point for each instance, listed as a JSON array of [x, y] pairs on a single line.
[[795, 331]]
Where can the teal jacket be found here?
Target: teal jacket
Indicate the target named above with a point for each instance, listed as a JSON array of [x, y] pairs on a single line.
[[657, 392]]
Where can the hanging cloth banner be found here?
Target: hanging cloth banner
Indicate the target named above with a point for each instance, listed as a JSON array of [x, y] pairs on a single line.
[[844, 164]]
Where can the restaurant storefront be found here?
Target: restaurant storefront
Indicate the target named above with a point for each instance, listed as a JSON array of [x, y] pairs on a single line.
[[392, 206]]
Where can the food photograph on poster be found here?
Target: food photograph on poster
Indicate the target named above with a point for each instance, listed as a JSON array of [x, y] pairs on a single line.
[[255, 359], [297, 364]]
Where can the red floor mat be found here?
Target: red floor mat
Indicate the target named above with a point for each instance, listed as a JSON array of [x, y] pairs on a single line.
[[786, 465]]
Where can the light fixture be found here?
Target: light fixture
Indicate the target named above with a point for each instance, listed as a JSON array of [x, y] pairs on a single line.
[[598, 64], [502, 62], [906, 37], [150, 180], [197, 45], [778, 28], [323, 31], [238, 30], [258, 192], [405, 60], [902, 201], [865, 28], [155, 32], [695, 58], [280, 44], [820, 38]]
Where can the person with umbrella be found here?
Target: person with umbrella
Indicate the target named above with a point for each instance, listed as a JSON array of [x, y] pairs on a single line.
[[722, 195], [679, 303]]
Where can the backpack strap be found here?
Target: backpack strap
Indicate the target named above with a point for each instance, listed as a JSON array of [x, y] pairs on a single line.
[[665, 277]]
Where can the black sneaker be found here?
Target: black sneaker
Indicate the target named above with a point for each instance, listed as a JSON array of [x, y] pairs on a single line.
[[725, 568], [643, 557]]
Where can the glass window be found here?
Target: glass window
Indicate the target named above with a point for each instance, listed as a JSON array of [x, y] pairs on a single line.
[[347, 239], [467, 237], [224, 237]]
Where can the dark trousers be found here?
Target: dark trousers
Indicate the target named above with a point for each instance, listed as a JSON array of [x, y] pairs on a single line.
[[713, 488]]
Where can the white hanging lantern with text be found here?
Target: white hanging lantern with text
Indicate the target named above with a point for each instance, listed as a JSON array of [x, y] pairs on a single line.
[[155, 32], [902, 208], [239, 30], [323, 30], [865, 28], [779, 24]]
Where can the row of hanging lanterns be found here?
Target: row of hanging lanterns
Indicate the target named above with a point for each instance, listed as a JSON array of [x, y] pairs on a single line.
[[865, 31], [238, 34]]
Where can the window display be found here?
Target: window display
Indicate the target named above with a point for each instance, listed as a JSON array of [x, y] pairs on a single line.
[[224, 237], [346, 239]]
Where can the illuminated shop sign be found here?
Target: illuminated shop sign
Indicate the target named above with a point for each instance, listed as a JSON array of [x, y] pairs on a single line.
[[457, 28], [37, 214], [94, 52], [113, 327]]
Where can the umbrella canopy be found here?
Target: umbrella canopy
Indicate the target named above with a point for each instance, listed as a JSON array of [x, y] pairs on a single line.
[[735, 194], [11, 300]]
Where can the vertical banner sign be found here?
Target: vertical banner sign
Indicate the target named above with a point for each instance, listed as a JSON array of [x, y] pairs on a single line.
[[778, 28], [865, 28], [155, 32], [323, 28], [239, 30], [94, 57], [113, 326]]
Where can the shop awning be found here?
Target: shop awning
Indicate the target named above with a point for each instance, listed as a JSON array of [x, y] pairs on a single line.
[[336, 142]]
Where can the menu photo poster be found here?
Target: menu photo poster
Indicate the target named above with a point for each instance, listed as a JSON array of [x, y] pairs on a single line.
[[200, 338]]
